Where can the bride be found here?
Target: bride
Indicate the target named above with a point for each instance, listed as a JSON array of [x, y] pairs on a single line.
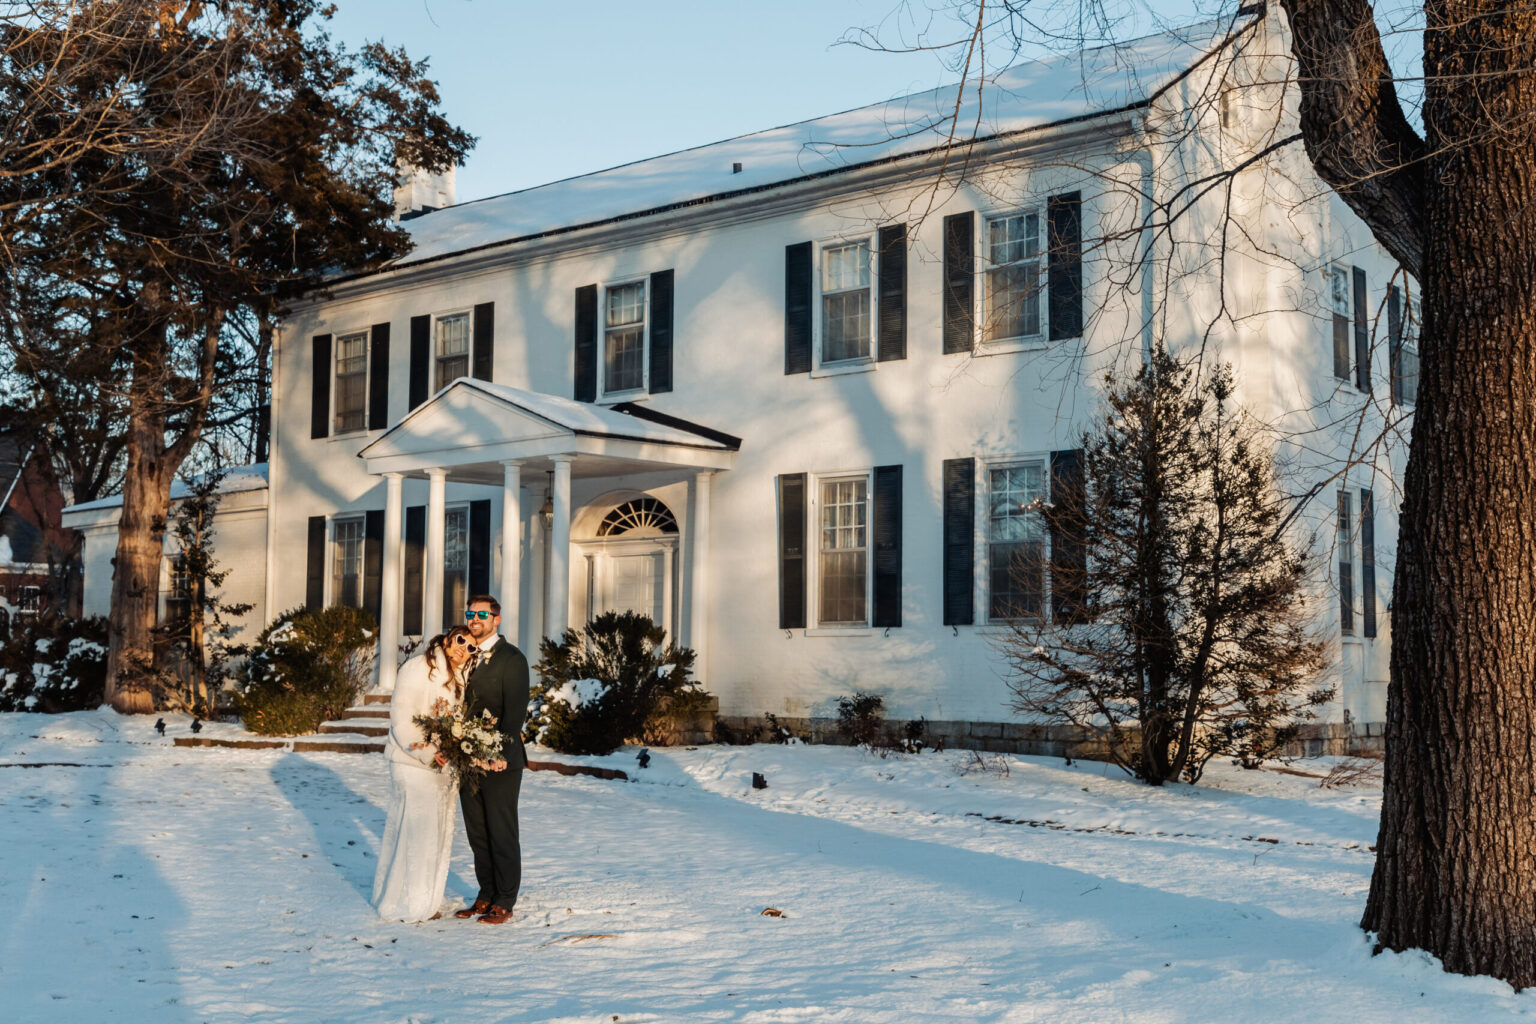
[[418, 834]]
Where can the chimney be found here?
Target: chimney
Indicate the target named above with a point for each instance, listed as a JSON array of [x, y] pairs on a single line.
[[420, 191]]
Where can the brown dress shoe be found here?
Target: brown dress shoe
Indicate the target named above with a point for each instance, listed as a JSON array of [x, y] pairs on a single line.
[[479, 907], [496, 915]]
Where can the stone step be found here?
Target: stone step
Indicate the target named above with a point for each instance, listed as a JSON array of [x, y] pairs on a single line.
[[337, 745], [355, 728], [365, 711], [377, 698]]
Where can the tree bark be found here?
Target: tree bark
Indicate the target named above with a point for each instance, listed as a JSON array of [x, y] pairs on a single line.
[[1456, 857]]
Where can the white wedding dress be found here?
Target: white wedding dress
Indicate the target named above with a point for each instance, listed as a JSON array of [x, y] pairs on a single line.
[[418, 834]]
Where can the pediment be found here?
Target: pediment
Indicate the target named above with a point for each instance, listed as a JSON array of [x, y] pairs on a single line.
[[458, 418]]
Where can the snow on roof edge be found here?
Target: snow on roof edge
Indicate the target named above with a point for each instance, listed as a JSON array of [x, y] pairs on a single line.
[[239, 479]]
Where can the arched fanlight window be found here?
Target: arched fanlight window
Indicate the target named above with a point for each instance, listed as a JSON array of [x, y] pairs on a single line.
[[641, 514]]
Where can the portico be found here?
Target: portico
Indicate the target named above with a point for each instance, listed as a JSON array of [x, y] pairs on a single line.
[[495, 436]]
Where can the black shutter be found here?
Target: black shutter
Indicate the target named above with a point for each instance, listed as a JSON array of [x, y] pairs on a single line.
[[373, 562], [1069, 547], [320, 387], [586, 343], [479, 547], [661, 331], [893, 293], [314, 581], [378, 377], [959, 541], [959, 283], [415, 554], [421, 359], [792, 516], [1395, 343], [1064, 215], [797, 308], [484, 344], [1362, 334], [1368, 560], [887, 538]]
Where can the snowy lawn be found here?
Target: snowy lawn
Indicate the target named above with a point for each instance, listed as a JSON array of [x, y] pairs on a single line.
[[152, 883]]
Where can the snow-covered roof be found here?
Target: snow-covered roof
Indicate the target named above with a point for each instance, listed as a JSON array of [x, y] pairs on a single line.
[[239, 478], [1027, 96], [623, 421]]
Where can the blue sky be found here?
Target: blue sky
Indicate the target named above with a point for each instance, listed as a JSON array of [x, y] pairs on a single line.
[[554, 90]]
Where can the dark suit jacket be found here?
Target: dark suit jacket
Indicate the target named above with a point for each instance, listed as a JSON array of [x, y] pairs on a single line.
[[500, 684]]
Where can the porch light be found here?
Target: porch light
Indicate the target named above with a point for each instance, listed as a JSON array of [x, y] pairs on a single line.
[[547, 510]]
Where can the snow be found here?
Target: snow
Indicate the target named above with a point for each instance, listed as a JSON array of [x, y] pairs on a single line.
[[237, 479], [575, 693], [1027, 96], [149, 883]]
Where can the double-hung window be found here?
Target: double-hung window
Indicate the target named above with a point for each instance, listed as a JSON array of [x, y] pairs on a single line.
[[1016, 540], [847, 301], [843, 563], [347, 562], [1013, 277], [1345, 543], [1405, 348], [455, 563], [452, 349], [1340, 301], [351, 382], [624, 338]]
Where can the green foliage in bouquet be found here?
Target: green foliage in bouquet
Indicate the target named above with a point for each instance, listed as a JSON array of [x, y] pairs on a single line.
[[602, 685], [307, 667]]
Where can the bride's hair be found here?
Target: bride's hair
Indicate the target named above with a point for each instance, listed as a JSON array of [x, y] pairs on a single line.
[[439, 645]]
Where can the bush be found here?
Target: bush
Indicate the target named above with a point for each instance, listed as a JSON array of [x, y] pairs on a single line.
[[861, 720], [307, 667], [54, 664], [604, 685]]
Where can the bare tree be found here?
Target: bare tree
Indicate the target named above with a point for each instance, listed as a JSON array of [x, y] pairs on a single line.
[[174, 163], [1452, 204]]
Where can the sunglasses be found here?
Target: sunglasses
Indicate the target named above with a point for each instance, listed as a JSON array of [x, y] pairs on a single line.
[[470, 616], [460, 640]]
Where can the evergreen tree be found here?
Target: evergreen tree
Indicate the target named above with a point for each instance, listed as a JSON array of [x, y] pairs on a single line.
[[1193, 639]]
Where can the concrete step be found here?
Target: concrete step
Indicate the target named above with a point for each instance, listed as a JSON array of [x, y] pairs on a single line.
[[365, 711], [355, 728], [377, 698], [339, 745]]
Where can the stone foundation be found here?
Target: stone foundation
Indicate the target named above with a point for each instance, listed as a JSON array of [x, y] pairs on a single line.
[[1064, 741]]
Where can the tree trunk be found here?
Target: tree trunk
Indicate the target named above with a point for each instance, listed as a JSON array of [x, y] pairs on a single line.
[[1456, 858], [136, 574]]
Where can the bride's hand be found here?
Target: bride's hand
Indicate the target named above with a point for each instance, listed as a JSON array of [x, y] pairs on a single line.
[[440, 759]]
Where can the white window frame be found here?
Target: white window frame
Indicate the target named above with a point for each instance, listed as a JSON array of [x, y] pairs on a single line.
[[336, 428], [1408, 343], [625, 394], [820, 366], [1337, 306], [333, 567], [982, 499], [457, 616], [469, 346], [981, 301], [816, 627], [1346, 512]]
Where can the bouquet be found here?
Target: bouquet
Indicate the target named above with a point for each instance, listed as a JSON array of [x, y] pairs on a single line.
[[468, 746]]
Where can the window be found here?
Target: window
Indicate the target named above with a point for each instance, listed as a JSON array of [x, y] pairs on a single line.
[[178, 596], [452, 349], [624, 339], [846, 302], [351, 382], [455, 564], [844, 552], [347, 567], [1013, 277], [1339, 300], [1346, 546], [1016, 540], [1404, 328], [29, 600]]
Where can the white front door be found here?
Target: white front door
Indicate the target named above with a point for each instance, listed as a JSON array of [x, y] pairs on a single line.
[[631, 575], [634, 584]]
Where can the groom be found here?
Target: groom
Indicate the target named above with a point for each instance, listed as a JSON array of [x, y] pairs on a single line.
[[499, 682]]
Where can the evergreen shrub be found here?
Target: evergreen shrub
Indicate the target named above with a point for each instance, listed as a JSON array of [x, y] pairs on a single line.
[[607, 683], [307, 667], [53, 664]]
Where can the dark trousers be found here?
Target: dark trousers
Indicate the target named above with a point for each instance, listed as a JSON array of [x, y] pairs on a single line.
[[490, 822]]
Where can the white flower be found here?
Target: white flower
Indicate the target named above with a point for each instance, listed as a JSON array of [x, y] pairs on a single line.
[[466, 747], [458, 731]]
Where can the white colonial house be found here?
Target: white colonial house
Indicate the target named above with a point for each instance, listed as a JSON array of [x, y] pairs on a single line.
[[791, 393]]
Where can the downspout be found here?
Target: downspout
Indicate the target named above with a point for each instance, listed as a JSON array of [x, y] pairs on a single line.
[[1142, 158], [272, 433]]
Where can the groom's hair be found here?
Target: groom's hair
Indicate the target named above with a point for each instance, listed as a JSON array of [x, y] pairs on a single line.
[[485, 599]]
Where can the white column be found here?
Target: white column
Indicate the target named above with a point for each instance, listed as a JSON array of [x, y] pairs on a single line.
[[432, 602], [698, 564], [666, 593], [511, 550], [560, 548], [391, 611]]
